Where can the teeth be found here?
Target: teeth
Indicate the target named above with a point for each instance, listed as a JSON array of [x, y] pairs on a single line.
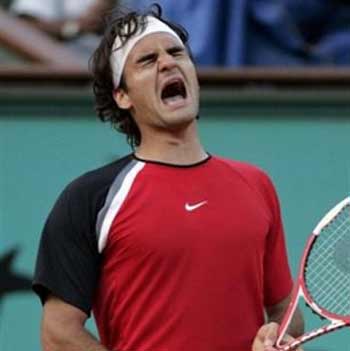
[[172, 99]]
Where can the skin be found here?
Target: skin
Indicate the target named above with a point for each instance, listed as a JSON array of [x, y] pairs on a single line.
[[169, 134], [267, 335], [62, 328]]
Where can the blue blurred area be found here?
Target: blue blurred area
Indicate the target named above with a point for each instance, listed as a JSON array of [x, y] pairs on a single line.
[[263, 32]]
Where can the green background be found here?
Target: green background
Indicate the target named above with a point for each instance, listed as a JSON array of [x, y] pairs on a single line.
[[49, 137]]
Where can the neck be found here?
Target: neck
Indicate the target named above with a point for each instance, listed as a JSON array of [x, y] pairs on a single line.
[[176, 147]]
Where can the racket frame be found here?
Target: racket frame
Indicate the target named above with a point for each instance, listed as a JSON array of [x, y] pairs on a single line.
[[300, 290]]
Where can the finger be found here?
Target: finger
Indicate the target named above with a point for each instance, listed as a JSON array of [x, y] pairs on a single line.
[[270, 334], [266, 338]]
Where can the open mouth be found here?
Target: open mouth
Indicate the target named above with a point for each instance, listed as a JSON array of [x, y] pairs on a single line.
[[174, 92]]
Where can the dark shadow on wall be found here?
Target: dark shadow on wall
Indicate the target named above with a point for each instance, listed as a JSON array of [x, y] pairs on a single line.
[[11, 281]]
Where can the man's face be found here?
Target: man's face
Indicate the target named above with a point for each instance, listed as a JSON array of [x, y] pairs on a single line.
[[162, 87]]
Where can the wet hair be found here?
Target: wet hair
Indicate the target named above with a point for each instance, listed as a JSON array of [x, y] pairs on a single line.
[[102, 77]]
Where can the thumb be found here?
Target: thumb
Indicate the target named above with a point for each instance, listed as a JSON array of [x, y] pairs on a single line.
[[270, 334]]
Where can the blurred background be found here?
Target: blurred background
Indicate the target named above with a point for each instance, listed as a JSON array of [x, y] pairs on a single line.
[[275, 82]]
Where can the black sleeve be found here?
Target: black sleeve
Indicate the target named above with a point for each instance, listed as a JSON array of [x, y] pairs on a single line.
[[68, 260]]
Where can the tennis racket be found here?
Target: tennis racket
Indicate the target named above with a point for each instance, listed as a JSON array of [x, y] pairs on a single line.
[[324, 276]]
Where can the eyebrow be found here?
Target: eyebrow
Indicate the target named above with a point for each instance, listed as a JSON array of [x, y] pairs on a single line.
[[175, 48], [146, 57], [152, 55]]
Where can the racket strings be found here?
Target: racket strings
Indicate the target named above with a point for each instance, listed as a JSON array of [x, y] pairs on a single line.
[[327, 271], [323, 254], [327, 281], [333, 304], [331, 231], [332, 289], [328, 299]]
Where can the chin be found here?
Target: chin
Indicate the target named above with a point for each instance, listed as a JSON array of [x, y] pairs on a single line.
[[181, 121], [185, 113]]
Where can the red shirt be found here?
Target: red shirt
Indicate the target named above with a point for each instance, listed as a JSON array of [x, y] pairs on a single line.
[[190, 257]]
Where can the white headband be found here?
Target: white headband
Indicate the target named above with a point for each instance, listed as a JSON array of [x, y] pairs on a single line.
[[120, 53]]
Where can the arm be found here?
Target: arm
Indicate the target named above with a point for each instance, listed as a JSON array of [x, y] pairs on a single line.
[[63, 328], [276, 312], [267, 334], [68, 267]]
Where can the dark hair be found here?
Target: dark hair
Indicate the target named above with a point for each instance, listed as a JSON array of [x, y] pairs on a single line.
[[103, 87]]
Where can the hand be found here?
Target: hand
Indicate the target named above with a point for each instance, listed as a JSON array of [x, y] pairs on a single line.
[[266, 338]]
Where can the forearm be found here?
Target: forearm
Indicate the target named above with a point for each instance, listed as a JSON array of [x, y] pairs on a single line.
[[63, 328], [296, 326], [69, 338]]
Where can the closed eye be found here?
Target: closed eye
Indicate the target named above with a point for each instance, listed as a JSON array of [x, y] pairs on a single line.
[[176, 51], [147, 58]]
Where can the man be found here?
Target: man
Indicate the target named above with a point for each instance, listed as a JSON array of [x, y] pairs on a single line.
[[173, 249]]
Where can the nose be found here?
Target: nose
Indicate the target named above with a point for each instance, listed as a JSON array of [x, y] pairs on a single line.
[[166, 62]]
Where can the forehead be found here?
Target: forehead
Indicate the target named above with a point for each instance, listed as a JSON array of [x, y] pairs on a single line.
[[153, 42]]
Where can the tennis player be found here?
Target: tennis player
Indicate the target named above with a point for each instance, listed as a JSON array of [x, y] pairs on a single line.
[[171, 248]]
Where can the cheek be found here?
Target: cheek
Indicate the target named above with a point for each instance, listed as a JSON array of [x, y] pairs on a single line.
[[144, 101], [143, 89], [195, 87], [192, 74], [143, 77]]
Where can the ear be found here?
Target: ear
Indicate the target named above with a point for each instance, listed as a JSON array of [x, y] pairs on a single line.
[[122, 99]]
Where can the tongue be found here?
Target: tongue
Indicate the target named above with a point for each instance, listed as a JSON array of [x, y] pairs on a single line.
[[173, 100]]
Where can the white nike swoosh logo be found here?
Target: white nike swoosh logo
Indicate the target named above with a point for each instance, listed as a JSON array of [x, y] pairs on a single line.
[[193, 207]]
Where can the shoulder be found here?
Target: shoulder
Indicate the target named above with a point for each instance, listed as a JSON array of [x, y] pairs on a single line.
[[96, 180], [84, 196], [247, 171], [254, 177]]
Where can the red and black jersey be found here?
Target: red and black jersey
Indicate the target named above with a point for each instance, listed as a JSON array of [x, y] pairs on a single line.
[[169, 258]]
